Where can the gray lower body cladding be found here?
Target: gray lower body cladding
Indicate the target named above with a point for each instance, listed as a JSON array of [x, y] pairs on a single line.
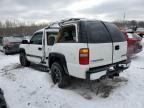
[[120, 66]]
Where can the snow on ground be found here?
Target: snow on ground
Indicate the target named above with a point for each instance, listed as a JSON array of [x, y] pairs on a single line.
[[30, 88]]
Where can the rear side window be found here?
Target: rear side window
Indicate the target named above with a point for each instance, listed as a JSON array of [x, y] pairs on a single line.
[[67, 35], [97, 32], [116, 34]]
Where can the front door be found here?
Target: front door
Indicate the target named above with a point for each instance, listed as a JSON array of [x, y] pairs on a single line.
[[34, 50]]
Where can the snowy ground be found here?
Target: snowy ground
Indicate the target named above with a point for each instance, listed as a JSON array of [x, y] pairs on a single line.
[[31, 88]]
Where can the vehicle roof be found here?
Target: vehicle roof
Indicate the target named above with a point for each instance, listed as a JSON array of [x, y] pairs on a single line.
[[54, 27], [48, 30], [51, 27], [76, 21]]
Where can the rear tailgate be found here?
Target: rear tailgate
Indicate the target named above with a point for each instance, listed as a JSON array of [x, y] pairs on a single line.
[[99, 44], [100, 54], [119, 43]]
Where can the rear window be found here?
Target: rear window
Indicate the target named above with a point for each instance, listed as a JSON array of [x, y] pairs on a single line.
[[97, 32], [115, 33], [136, 36]]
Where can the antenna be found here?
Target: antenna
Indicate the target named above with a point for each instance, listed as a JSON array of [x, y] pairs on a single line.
[[69, 19], [124, 18]]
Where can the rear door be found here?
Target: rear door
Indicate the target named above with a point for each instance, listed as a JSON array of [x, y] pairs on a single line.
[[119, 43], [99, 43]]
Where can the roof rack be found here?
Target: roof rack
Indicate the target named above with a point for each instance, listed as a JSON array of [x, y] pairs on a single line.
[[69, 20], [52, 24], [62, 22]]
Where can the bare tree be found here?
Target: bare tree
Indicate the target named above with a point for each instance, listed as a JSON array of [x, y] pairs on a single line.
[[10, 28]]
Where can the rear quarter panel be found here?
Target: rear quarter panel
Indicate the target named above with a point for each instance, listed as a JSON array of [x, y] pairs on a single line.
[[71, 53]]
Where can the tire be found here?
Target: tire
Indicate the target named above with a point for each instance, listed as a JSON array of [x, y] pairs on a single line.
[[23, 60], [2, 100], [58, 75], [5, 52]]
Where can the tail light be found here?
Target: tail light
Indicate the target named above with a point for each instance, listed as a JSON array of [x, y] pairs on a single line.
[[84, 56]]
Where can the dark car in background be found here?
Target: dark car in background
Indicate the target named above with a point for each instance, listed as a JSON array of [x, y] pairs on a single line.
[[134, 43], [11, 44], [1, 46]]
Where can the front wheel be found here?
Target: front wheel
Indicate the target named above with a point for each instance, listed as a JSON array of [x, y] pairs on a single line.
[[5, 51], [58, 75], [23, 60]]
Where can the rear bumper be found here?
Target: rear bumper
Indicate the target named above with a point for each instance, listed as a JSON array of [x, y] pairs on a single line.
[[96, 73]]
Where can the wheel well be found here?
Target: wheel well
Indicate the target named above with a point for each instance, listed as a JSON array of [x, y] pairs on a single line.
[[22, 50], [54, 57], [52, 60]]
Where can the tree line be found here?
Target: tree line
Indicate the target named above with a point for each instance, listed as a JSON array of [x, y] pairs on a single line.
[[13, 28], [129, 23], [16, 28]]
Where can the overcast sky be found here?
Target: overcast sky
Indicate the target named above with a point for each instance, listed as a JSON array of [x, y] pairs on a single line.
[[52, 10]]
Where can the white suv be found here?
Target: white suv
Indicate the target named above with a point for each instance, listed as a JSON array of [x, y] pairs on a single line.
[[87, 49]]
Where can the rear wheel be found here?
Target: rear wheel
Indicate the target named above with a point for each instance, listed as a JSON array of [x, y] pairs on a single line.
[[58, 75], [23, 60], [2, 100]]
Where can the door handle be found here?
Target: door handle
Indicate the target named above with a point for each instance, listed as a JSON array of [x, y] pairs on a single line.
[[117, 47], [40, 48]]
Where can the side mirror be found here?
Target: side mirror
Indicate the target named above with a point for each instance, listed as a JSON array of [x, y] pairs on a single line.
[[25, 42], [51, 40]]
